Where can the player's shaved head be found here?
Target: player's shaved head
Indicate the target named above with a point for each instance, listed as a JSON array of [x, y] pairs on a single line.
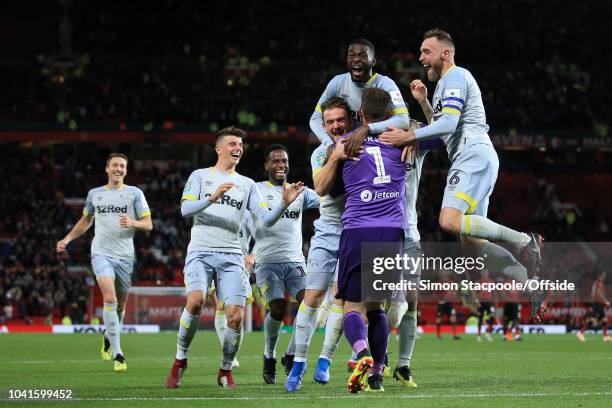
[[360, 59], [363, 41], [274, 147], [442, 36], [375, 104]]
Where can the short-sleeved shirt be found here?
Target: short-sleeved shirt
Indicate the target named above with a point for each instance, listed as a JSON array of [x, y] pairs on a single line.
[[106, 205]]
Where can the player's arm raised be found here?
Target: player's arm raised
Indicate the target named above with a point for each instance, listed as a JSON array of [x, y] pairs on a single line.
[[419, 93], [79, 229], [316, 120], [269, 216]]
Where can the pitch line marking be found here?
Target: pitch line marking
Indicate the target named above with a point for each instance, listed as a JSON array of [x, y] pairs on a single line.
[[287, 398]]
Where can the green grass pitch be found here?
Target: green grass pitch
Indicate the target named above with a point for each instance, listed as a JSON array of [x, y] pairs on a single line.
[[543, 371]]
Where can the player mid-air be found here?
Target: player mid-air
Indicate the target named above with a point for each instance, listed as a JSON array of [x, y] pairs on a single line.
[[458, 117], [360, 61], [279, 265], [118, 210], [216, 198]]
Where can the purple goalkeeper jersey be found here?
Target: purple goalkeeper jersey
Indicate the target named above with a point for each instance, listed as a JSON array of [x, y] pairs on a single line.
[[375, 188]]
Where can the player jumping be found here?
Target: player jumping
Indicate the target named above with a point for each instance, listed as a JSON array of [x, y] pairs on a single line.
[[360, 61], [458, 117]]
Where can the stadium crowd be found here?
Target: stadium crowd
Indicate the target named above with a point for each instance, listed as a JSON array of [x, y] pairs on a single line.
[[194, 65], [130, 66], [35, 281]]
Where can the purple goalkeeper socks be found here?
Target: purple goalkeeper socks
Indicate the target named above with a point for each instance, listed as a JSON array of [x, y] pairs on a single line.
[[355, 331], [378, 336]]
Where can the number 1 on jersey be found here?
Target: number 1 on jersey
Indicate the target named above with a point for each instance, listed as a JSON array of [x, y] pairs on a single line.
[[381, 175]]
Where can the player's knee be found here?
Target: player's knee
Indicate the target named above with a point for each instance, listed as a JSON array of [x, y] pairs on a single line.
[[109, 298], [195, 302], [235, 315], [314, 298], [278, 308], [300, 296], [450, 222]]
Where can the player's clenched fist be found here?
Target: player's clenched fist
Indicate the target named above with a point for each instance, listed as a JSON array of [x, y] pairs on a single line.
[[222, 189], [418, 90], [61, 245], [125, 221]]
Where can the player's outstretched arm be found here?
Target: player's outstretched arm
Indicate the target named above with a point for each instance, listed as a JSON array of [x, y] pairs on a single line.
[[259, 206], [79, 229], [316, 120], [445, 125], [316, 125], [145, 223], [398, 111], [399, 120]]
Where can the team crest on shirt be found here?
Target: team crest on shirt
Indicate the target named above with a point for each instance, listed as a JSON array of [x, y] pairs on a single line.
[[269, 197], [208, 183], [320, 160], [455, 92]]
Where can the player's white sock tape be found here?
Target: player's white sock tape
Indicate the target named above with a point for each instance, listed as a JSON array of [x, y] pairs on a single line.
[[231, 345], [271, 331], [113, 327], [407, 330], [499, 259], [291, 345], [188, 325], [305, 323], [481, 227], [333, 332], [121, 315], [220, 325]]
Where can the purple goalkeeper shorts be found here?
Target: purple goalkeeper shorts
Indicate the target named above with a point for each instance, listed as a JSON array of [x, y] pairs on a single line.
[[350, 257]]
